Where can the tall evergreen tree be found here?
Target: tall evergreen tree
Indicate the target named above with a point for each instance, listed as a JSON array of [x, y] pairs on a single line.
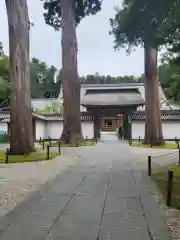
[[140, 23], [21, 134], [66, 14]]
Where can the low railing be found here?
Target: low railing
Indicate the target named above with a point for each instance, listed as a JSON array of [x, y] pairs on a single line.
[[139, 139], [158, 167], [162, 166], [50, 140]]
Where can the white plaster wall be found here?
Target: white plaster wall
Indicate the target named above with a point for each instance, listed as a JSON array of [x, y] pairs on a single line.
[[138, 129], [88, 129], [40, 129], [170, 130], [54, 129], [4, 127]]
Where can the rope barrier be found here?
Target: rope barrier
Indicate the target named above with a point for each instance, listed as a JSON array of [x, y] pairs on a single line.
[[167, 154]]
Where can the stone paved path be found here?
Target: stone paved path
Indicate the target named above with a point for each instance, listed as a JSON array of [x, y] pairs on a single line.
[[102, 197]]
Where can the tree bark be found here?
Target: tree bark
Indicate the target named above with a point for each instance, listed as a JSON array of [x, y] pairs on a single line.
[[153, 125], [71, 84], [21, 132]]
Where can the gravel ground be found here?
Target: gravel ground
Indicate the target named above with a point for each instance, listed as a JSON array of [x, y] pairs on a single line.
[[160, 158], [18, 181]]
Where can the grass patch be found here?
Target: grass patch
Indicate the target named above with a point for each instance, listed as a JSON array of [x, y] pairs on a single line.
[[33, 157], [80, 144], [160, 178], [166, 146]]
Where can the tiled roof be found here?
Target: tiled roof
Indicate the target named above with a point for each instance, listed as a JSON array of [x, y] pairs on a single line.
[[111, 86], [55, 117], [165, 116], [4, 115], [39, 116], [61, 118], [173, 115], [47, 117], [113, 99], [5, 120]]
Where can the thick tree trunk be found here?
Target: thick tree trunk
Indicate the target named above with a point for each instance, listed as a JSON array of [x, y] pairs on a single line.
[[72, 117], [153, 126], [21, 133]]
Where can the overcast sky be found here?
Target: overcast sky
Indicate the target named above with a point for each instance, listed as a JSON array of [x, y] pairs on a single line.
[[95, 45]]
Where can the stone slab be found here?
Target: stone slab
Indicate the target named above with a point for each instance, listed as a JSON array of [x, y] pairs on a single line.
[[104, 197]]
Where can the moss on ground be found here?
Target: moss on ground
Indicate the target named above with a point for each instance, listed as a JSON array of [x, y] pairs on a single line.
[[160, 178], [80, 144], [166, 146], [35, 156]]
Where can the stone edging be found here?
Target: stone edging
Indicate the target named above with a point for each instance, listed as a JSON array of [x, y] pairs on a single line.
[[156, 219]]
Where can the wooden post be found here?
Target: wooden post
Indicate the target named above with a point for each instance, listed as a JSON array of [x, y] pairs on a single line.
[[59, 147], [40, 140], [47, 152], [95, 126], [139, 138], [149, 166], [151, 142], [130, 126], [130, 141], [43, 144], [169, 188], [7, 157], [50, 141]]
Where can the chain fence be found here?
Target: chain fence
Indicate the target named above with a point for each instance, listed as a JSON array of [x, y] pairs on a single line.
[[165, 171], [162, 162]]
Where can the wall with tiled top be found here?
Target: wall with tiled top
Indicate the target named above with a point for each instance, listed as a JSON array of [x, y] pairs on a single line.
[[55, 128], [170, 130]]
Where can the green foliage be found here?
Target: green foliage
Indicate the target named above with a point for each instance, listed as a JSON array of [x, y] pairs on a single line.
[[142, 22], [166, 146], [5, 85], [82, 9], [160, 178], [55, 107], [32, 157], [153, 23], [4, 67], [169, 76], [44, 80], [80, 144], [5, 88], [1, 49], [101, 79]]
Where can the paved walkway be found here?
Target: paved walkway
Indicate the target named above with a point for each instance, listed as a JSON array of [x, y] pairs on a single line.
[[102, 197]]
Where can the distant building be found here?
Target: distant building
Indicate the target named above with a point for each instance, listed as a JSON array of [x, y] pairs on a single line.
[[104, 107]]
